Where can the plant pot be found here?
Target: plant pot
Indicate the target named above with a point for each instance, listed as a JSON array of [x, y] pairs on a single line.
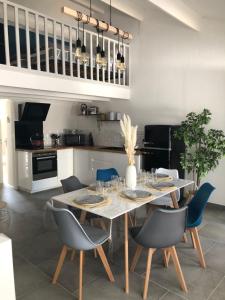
[[131, 177]]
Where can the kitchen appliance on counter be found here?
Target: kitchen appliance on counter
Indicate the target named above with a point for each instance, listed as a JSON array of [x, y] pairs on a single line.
[[44, 165], [74, 139], [29, 128], [162, 149], [29, 135]]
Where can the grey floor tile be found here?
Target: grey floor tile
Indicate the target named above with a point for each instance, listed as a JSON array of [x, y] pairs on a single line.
[[102, 289], [219, 293], [93, 270], [40, 248], [215, 258], [48, 292], [172, 296], [214, 231], [27, 277]]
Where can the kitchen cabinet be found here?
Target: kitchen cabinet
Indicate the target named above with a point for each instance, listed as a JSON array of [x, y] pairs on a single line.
[[86, 163], [65, 163]]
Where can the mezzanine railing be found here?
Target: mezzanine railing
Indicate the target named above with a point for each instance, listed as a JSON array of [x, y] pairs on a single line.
[[33, 41]]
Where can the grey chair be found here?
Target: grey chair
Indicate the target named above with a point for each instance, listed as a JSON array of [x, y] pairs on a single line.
[[163, 229], [71, 184], [81, 238]]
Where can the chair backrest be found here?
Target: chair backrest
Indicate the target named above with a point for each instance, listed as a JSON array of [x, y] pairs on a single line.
[[106, 174], [198, 203], [173, 173], [70, 231], [163, 228], [70, 184]]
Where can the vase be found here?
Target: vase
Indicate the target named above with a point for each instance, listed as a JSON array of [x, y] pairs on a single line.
[[131, 177]]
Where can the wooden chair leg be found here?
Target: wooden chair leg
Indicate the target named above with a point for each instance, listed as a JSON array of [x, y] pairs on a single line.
[[178, 269], [185, 240], [60, 264], [83, 216], [73, 255], [148, 271], [95, 251], [131, 220], [102, 224], [81, 275], [198, 247], [166, 257], [193, 239], [136, 257], [105, 263]]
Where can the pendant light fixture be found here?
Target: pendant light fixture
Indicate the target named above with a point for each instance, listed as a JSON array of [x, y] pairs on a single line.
[[118, 57], [103, 58], [84, 55], [122, 66], [98, 57], [78, 42]]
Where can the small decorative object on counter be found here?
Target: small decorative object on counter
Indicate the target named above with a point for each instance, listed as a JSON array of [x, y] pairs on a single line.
[[118, 116], [93, 110], [111, 116], [129, 133], [55, 140], [90, 139], [83, 109]]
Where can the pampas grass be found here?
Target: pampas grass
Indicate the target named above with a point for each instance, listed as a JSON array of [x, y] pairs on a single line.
[[129, 133]]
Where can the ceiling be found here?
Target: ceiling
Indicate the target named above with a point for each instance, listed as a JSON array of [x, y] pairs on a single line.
[[208, 8]]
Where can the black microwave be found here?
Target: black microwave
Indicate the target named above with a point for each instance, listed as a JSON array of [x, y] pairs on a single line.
[[76, 139]]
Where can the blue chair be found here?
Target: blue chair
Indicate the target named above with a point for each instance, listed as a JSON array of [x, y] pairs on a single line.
[[106, 174], [195, 213]]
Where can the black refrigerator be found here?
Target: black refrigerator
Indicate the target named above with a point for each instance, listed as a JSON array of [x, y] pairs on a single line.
[[162, 149]]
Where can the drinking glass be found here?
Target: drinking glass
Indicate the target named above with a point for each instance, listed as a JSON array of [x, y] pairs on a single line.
[[100, 187], [154, 175]]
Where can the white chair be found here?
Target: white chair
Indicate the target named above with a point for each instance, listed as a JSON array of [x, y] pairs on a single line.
[[166, 200]]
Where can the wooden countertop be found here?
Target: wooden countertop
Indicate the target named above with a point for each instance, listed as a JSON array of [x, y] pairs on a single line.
[[90, 148]]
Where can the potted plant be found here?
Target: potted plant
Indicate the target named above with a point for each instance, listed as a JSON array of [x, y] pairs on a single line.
[[203, 147], [129, 133]]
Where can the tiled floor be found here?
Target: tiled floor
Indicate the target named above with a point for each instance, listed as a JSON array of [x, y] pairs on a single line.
[[36, 247]]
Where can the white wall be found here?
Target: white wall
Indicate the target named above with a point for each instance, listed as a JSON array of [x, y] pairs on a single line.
[[1, 165]]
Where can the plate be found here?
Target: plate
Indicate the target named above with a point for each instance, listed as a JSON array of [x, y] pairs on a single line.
[[161, 175], [163, 185], [89, 199], [135, 194]]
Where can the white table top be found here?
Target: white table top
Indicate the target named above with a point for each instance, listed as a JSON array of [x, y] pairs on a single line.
[[118, 205]]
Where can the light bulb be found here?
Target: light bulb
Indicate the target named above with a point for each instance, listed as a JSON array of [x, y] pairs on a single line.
[[84, 55], [103, 59], [122, 65], [118, 61], [98, 57], [78, 49]]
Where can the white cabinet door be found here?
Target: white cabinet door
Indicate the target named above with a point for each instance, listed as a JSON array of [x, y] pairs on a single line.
[[82, 166], [86, 163], [65, 163]]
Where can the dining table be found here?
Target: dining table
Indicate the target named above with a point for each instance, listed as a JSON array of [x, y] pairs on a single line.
[[118, 205]]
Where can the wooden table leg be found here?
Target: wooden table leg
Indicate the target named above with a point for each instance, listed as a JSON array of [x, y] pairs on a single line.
[[83, 216], [126, 253], [173, 196]]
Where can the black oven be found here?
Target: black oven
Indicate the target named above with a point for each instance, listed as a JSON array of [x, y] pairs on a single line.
[[44, 165]]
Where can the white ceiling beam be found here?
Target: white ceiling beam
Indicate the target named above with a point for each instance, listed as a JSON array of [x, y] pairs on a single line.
[[126, 7], [180, 11]]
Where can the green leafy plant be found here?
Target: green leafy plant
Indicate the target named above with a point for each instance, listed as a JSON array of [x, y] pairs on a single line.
[[204, 147]]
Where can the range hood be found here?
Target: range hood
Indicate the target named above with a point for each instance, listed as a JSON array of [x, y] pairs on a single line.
[[32, 111]]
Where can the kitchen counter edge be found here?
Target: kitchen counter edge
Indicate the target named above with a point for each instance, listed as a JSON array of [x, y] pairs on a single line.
[[91, 148]]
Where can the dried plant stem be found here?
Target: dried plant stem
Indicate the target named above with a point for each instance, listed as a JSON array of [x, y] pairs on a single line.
[[129, 133]]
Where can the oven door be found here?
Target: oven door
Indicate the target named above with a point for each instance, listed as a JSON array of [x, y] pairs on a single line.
[[44, 165]]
